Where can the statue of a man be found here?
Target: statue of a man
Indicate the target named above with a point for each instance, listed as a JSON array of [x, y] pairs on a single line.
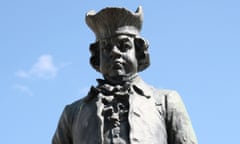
[[122, 108]]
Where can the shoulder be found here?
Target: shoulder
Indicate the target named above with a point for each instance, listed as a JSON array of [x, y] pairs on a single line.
[[74, 105], [75, 108], [71, 110], [160, 95], [169, 99], [172, 103], [166, 92], [166, 95], [157, 93]]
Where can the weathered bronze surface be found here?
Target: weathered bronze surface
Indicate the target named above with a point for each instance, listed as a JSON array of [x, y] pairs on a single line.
[[122, 108]]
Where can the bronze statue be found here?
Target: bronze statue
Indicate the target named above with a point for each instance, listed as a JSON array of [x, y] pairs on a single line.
[[122, 108]]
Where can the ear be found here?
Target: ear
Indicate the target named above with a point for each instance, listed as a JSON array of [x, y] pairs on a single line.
[[140, 43], [142, 54]]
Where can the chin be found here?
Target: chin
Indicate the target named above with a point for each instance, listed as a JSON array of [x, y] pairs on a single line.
[[118, 75]]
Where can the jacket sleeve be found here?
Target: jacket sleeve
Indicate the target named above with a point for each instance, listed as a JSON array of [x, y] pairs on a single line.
[[63, 132], [179, 127]]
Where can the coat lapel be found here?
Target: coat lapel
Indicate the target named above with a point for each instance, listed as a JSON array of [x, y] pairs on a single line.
[[146, 123]]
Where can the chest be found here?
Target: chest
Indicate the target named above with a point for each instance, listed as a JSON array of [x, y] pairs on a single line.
[[144, 123]]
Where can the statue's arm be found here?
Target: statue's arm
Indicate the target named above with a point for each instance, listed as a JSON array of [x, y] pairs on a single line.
[[179, 127], [63, 132]]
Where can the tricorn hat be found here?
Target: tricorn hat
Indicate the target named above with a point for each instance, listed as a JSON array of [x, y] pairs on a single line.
[[112, 21]]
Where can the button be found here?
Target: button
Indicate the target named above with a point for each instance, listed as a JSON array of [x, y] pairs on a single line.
[[137, 114], [116, 130], [116, 124], [135, 139], [116, 135]]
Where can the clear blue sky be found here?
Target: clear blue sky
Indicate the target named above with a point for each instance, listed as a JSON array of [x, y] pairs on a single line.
[[44, 60]]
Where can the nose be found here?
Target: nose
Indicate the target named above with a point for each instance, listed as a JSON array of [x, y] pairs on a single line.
[[115, 53]]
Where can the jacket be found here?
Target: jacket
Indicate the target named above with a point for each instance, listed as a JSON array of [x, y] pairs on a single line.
[[158, 117]]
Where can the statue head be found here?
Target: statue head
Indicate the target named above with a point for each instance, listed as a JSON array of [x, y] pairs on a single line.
[[119, 51]]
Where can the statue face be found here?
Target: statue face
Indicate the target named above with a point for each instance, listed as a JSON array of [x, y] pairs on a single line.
[[117, 57]]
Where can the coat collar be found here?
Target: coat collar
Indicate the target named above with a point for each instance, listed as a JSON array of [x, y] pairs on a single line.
[[146, 89]]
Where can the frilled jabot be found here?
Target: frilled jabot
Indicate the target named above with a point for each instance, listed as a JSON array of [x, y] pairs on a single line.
[[125, 89]]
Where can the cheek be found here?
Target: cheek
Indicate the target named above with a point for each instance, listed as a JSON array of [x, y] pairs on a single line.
[[132, 62]]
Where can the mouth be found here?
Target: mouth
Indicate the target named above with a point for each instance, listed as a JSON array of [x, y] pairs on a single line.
[[117, 65]]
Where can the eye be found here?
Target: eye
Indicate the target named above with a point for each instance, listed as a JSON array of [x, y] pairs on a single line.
[[125, 45]]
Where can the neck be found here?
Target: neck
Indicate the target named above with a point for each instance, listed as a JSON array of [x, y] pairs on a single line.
[[120, 79]]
